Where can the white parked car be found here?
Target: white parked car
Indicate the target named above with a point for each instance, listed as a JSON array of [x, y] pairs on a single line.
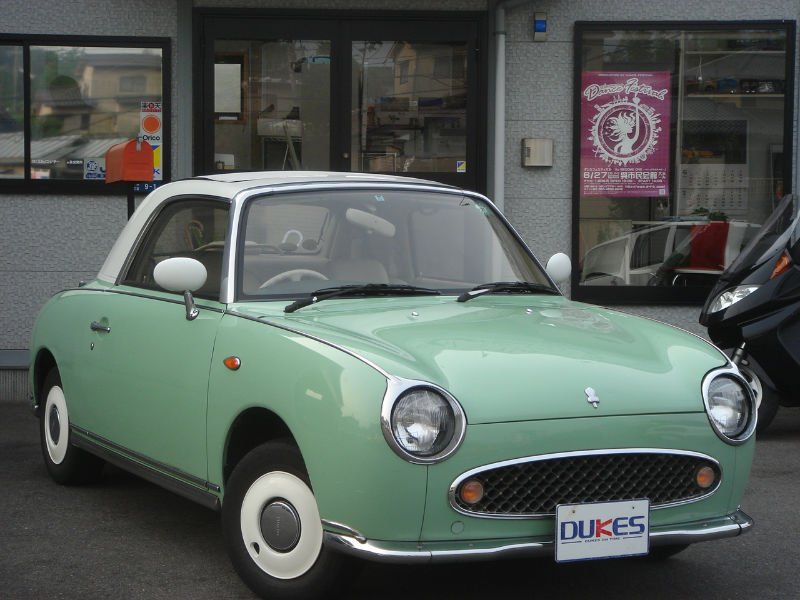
[[672, 253]]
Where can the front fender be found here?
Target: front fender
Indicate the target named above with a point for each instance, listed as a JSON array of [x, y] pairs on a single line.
[[330, 400]]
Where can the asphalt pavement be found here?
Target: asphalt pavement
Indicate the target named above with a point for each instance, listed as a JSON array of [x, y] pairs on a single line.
[[124, 538]]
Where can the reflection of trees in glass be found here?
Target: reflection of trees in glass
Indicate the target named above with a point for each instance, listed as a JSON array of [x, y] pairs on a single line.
[[620, 50], [58, 106], [11, 86]]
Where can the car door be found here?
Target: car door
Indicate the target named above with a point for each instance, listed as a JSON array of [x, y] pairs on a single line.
[[150, 363]]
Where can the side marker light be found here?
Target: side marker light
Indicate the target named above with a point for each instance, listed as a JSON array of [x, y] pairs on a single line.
[[232, 362]]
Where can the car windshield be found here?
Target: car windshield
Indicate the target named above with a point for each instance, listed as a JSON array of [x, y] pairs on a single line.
[[294, 244]]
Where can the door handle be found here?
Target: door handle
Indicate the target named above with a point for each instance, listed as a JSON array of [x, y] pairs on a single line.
[[96, 326]]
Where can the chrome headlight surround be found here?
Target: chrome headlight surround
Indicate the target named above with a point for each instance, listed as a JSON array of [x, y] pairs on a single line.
[[731, 296], [730, 405], [403, 397]]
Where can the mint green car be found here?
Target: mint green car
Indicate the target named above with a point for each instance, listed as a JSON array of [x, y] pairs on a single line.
[[367, 366]]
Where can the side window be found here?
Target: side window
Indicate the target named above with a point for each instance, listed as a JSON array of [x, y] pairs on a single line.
[[649, 248], [191, 228]]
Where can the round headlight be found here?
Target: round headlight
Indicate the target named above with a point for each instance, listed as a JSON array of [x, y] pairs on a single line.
[[423, 424], [730, 406]]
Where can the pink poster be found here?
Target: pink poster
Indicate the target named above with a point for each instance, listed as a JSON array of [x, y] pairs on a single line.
[[624, 148]]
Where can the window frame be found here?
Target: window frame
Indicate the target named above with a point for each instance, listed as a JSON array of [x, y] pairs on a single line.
[[28, 185], [646, 295]]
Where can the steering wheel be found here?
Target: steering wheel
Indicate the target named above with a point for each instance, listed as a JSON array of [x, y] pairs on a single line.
[[293, 275]]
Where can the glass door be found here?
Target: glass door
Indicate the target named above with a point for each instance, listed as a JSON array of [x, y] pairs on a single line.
[[416, 101], [272, 104], [375, 95], [409, 107]]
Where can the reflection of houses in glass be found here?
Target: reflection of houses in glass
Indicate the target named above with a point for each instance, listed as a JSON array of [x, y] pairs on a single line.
[[415, 100], [11, 155], [114, 85], [86, 101], [59, 107]]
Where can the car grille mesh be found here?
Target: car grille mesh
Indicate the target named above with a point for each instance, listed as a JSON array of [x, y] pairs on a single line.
[[536, 487]]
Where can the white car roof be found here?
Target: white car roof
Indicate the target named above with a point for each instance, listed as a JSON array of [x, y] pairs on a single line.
[[228, 186]]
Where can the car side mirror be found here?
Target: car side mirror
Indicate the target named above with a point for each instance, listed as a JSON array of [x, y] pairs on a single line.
[[182, 274], [559, 267]]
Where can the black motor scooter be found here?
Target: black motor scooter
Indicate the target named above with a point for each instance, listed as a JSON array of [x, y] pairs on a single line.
[[754, 311]]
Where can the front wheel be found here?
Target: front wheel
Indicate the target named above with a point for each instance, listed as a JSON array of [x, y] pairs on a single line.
[[67, 464], [273, 530]]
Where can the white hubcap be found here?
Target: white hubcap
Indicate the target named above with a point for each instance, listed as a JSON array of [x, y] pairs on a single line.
[[295, 493], [56, 425]]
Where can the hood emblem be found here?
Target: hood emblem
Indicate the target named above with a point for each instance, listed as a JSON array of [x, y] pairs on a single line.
[[592, 397]]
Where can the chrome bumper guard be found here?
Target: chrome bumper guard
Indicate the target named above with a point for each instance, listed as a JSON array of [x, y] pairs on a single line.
[[425, 552]]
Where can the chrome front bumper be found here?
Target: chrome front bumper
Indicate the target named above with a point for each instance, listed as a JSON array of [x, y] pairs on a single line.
[[425, 552]]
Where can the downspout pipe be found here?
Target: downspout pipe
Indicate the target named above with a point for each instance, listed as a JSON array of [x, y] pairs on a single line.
[[498, 168]]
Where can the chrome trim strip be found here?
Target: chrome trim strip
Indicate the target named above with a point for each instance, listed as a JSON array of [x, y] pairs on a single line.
[[397, 387], [349, 531], [175, 480], [451, 494], [733, 372], [726, 526]]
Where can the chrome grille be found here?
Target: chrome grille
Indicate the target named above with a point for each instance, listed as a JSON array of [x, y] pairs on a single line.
[[536, 485]]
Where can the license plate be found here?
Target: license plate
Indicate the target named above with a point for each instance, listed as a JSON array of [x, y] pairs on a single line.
[[602, 530]]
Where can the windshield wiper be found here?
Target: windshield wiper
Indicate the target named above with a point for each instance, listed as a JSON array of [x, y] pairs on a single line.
[[506, 287], [367, 289]]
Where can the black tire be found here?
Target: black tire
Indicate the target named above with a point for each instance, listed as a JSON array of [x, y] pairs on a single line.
[[294, 564], [770, 402], [67, 464]]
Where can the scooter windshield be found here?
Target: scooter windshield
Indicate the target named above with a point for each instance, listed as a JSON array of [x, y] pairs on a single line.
[[781, 229]]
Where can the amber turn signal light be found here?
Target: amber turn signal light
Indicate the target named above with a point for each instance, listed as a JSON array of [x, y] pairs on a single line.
[[471, 491], [232, 362], [705, 477], [781, 265]]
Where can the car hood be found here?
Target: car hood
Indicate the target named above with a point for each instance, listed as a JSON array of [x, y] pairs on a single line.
[[515, 358]]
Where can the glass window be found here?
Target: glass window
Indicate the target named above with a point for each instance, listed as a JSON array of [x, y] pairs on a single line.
[[12, 113], [294, 244], [191, 228], [409, 107], [680, 135], [85, 100], [272, 104]]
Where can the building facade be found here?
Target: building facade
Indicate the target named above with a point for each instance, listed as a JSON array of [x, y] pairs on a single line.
[[645, 140]]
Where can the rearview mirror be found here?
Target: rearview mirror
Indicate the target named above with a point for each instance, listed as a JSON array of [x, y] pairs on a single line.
[[559, 267]]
